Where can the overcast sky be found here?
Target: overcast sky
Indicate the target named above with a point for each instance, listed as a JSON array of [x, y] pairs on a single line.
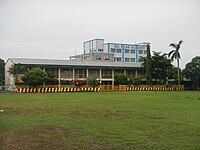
[[57, 28]]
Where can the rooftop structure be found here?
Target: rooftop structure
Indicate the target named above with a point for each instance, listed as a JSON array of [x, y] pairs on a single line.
[[122, 52]]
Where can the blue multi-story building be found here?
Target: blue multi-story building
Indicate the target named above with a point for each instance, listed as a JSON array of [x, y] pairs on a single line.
[[122, 52]]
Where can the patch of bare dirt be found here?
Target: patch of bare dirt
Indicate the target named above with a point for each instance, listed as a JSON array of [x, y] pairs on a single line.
[[48, 138], [28, 111]]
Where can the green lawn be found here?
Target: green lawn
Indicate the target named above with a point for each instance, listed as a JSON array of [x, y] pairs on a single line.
[[100, 120]]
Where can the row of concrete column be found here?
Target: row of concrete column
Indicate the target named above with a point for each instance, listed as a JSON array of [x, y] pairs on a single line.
[[87, 75]]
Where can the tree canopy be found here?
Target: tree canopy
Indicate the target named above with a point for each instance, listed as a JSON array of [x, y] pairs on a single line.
[[35, 77], [2, 71], [160, 66], [92, 81], [121, 79], [15, 70], [192, 71]]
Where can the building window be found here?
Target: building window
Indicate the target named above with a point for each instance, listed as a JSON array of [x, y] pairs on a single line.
[[119, 50], [127, 59], [94, 73], [140, 51], [80, 73], [66, 73], [145, 52], [53, 72], [119, 59], [133, 51], [112, 50], [132, 59], [127, 50], [130, 72], [100, 50], [133, 47], [106, 74]]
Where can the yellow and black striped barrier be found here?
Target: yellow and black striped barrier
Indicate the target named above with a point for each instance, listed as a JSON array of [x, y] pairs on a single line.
[[56, 90], [96, 89], [155, 88]]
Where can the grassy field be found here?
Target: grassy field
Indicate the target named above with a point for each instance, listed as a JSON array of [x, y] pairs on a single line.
[[103, 120]]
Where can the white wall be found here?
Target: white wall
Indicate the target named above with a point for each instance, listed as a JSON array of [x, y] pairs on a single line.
[[9, 79]]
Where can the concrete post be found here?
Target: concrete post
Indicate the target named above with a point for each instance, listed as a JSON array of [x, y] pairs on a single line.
[[136, 73], [113, 79], [59, 77], [44, 71], [125, 71], [87, 73], [100, 74], [73, 74]]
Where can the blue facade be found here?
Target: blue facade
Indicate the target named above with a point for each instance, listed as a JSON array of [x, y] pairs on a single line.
[[108, 47], [123, 53], [136, 52]]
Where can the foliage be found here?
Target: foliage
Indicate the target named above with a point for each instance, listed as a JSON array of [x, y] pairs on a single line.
[[160, 65], [92, 81], [135, 80], [2, 71], [124, 80], [121, 79], [66, 82], [192, 71], [174, 54], [15, 70], [35, 77], [172, 74], [100, 120], [51, 79], [148, 66]]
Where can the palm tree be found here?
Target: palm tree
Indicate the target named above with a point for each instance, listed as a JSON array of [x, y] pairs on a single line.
[[174, 54]]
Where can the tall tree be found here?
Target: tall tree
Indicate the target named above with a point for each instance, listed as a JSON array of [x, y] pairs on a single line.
[[15, 70], [192, 71], [148, 65], [160, 65], [175, 54], [2, 72]]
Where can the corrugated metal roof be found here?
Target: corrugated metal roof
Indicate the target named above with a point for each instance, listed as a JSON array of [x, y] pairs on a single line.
[[54, 62]]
